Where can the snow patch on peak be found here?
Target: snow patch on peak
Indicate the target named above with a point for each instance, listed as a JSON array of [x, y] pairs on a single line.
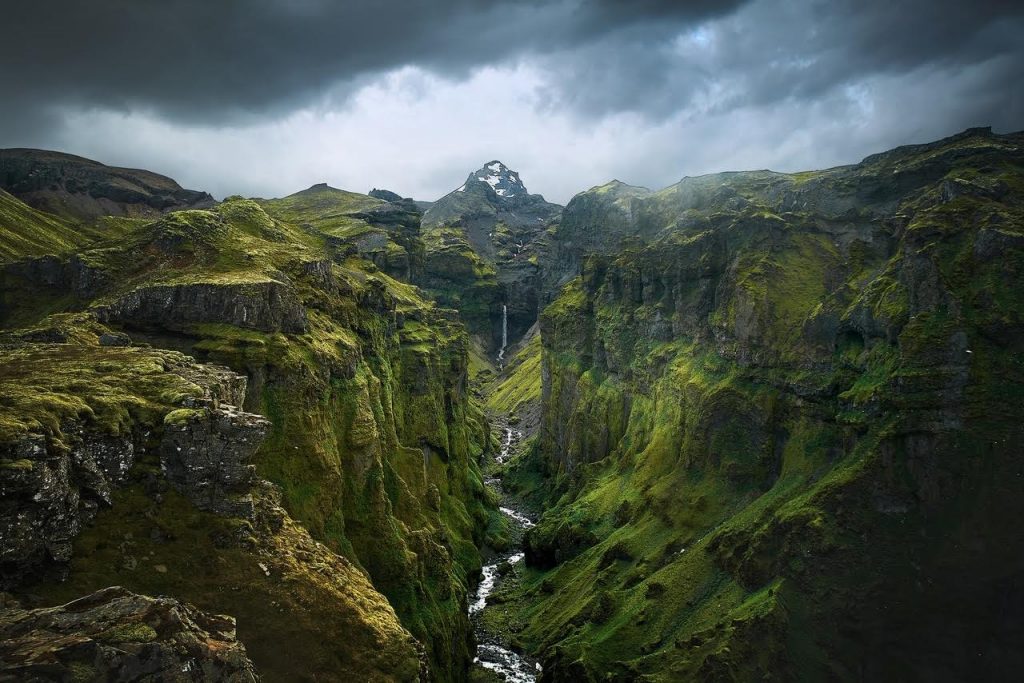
[[494, 181], [503, 181]]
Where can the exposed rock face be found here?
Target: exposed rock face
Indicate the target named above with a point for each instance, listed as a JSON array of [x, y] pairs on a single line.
[[268, 306], [116, 635], [75, 187], [594, 222], [400, 221], [386, 195], [141, 458], [483, 244], [48, 273], [47, 496], [205, 454]]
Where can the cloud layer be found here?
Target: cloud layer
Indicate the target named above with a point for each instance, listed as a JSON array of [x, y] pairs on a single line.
[[268, 96]]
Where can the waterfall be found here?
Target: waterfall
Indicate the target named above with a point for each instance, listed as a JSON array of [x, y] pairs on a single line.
[[504, 335]]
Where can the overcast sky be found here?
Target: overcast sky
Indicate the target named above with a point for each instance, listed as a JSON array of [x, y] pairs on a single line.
[[267, 97]]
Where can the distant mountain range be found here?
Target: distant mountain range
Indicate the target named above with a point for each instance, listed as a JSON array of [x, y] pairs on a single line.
[[78, 188]]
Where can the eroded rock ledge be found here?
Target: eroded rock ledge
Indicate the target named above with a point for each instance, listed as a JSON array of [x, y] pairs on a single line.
[[51, 485], [268, 306]]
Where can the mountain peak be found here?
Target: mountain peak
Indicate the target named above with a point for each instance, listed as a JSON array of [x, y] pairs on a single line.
[[504, 181]]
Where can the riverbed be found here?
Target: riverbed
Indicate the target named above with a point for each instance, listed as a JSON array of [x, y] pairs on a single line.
[[492, 653]]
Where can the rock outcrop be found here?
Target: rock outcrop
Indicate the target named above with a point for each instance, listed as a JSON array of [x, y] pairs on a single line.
[[116, 635], [268, 306], [385, 195], [134, 466], [205, 453], [53, 481], [49, 495]]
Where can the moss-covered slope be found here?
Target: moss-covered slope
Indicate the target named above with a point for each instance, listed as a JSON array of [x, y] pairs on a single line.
[[372, 437], [783, 424], [27, 232], [384, 232], [90, 431]]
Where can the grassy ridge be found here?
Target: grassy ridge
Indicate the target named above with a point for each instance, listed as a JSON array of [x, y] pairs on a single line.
[[25, 232]]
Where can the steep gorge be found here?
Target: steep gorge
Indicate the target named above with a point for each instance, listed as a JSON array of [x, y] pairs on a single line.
[[767, 424]]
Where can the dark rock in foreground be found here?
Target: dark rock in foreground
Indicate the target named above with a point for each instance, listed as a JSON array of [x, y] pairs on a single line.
[[117, 635]]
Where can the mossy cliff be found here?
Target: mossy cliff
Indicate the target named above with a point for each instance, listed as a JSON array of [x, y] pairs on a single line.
[[772, 420], [370, 432], [782, 426], [131, 466]]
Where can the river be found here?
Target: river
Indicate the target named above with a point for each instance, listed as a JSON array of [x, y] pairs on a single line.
[[492, 653]]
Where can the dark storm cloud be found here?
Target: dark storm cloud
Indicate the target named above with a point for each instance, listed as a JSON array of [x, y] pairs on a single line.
[[774, 51], [804, 49], [232, 61], [215, 61], [265, 96]]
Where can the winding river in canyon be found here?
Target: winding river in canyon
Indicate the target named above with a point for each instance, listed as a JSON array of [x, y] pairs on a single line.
[[492, 652]]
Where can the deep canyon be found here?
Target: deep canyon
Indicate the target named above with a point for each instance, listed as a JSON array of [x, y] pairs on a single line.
[[751, 426]]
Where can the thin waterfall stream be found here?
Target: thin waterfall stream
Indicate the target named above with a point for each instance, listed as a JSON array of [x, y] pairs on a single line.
[[504, 337]]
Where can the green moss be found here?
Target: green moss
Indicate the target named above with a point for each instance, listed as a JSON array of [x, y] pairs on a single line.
[[110, 389], [304, 592], [128, 633], [82, 672], [181, 416], [880, 364], [325, 208], [571, 301], [22, 464], [521, 385]]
